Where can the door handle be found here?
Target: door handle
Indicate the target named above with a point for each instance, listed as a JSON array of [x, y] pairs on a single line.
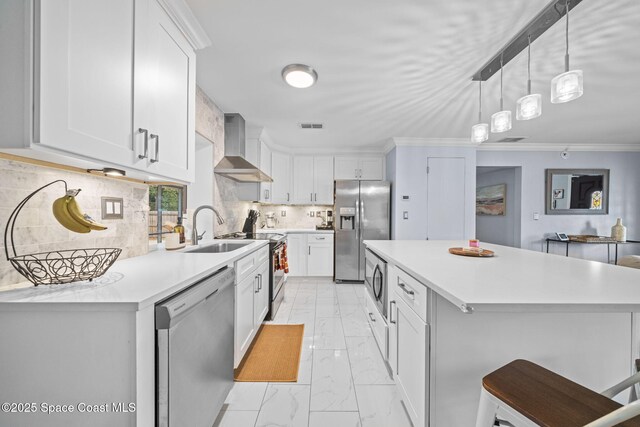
[[404, 288], [311, 196], [373, 319], [146, 143], [315, 197], [287, 197], [256, 288], [391, 312], [309, 250], [157, 156]]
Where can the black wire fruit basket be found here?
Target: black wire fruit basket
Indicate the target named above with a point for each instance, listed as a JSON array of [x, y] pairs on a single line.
[[57, 267]]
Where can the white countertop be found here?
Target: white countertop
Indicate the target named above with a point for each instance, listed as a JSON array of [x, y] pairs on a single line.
[[130, 284], [515, 279], [294, 230]]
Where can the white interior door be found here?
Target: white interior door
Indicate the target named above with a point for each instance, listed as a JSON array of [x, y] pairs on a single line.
[[445, 198]]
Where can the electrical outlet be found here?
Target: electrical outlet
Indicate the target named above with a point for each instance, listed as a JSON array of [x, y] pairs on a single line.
[[312, 214], [283, 213], [405, 215]]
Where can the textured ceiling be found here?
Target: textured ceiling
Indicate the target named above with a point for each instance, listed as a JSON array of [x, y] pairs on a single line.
[[402, 68]]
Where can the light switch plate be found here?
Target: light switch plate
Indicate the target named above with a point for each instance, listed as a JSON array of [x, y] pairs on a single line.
[[112, 207], [536, 216]]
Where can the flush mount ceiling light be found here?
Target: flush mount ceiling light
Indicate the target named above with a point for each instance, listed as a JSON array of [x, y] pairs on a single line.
[[480, 131], [299, 75], [109, 171], [567, 86], [501, 121], [529, 106]]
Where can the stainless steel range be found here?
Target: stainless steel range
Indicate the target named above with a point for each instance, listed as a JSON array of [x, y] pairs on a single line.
[[277, 278]]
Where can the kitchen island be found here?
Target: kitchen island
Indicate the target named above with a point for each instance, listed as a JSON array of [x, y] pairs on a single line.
[[454, 319]]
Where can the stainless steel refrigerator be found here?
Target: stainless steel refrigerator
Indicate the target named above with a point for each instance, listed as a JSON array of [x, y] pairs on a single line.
[[362, 212]]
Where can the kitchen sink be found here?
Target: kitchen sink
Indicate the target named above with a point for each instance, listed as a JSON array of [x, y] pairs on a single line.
[[219, 248]]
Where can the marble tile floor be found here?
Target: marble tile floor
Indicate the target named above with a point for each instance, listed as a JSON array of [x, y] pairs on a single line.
[[342, 381]]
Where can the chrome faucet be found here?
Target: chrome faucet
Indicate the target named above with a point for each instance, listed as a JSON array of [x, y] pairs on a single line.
[[195, 238]]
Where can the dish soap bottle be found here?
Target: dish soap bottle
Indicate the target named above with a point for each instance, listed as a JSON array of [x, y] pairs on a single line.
[[619, 231], [179, 228]]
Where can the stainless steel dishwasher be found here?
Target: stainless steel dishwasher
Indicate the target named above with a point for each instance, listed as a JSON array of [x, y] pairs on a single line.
[[194, 359]]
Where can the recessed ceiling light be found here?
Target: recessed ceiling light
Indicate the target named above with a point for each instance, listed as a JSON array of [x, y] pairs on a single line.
[[299, 75]]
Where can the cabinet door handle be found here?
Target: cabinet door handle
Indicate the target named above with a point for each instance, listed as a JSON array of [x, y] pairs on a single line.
[[311, 196], [315, 197], [391, 312], [320, 238], [287, 197], [260, 275], [256, 287], [157, 156], [373, 319], [309, 250], [404, 288], [146, 143]]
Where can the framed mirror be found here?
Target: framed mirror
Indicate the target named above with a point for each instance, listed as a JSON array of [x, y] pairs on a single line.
[[577, 192]]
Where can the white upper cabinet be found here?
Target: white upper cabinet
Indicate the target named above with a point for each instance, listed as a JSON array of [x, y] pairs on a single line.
[[323, 180], [164, 98], [281, 174], [265, 166], [362, 168], [84, 79], [303, 180], [313, 180], [108, 76]]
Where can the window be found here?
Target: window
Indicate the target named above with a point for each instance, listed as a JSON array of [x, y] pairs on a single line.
[[167, 204]]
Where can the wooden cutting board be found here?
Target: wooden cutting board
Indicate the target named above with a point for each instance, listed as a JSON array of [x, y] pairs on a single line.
[[484, 253]]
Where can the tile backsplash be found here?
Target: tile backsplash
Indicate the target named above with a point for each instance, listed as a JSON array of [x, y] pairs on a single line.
[[36, 229], [297, 216]]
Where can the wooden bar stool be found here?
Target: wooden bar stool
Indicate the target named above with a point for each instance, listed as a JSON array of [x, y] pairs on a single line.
[[522, 393]]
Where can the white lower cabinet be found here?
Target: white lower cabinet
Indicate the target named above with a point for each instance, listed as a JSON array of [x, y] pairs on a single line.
[[320, 255], [261, 296], [409, 355], [245, 326], [297, 254], [310, 254], [252, 299]]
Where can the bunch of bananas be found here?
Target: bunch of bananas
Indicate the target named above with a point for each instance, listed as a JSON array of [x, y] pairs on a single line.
[[70, 216]]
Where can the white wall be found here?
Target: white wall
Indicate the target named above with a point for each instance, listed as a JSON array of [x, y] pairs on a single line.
[[499, 229], [624, 200], [409, 177]]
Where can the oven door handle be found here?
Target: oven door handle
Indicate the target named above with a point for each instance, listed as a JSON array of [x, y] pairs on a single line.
[[377, 293]]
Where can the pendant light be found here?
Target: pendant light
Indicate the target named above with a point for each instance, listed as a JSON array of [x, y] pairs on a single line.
[[501, 121], [529, 106], [480, 131], [567, 86]]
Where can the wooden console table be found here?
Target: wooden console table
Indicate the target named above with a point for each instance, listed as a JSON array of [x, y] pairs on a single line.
[[608, 243]]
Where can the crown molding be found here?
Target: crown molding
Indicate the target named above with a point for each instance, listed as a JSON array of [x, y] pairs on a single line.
[[181, 14], [428, 142], [527, 146]]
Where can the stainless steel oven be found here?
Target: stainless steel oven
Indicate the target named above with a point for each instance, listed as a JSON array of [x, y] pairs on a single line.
[[276, 288], [375, 277]]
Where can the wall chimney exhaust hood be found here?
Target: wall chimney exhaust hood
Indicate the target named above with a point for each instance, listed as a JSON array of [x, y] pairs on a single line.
[[234, 165]]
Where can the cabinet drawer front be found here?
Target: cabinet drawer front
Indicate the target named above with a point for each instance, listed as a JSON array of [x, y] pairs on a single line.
[[262, 255], [378, 325], [324, 237], [245, 266], [414, 293]]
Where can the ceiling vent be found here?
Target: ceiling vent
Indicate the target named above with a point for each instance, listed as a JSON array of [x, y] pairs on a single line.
[[311, 126], [514, 139]]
